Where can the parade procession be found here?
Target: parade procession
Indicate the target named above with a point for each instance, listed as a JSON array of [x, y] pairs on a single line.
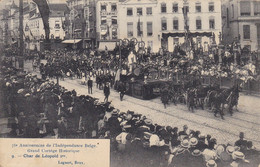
[[182, 94]]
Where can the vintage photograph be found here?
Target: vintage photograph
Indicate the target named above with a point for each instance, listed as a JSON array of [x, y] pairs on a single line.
[[171, 83]]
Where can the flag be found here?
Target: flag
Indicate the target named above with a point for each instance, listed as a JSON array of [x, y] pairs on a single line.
[[139, 28]]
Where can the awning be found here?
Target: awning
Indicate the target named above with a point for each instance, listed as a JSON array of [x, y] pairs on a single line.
[[109, 45], [71, 41]]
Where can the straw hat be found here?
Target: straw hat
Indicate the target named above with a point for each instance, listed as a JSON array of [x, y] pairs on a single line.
[[193, 141], [230, 149], [180, 151], [185, 143], [238, 155], [211, 163], [148, 121], [196, 152]]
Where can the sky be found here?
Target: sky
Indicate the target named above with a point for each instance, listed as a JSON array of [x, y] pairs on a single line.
[[4, 2]]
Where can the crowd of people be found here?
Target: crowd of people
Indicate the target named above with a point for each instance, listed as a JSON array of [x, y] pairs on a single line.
[[40, 108]]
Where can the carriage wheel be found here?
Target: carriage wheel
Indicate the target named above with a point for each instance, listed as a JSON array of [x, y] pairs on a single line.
[[125, 41], [134, 41]]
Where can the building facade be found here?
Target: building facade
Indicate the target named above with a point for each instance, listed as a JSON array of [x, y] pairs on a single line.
[[242, 23], [138, 19], [107, 23], [161, 23], [81, 22], [34, 27]]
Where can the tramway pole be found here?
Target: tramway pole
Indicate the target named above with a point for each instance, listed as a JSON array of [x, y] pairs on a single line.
[[21, 42]]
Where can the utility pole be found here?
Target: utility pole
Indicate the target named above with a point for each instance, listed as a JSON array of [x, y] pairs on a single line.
[[21, 42]]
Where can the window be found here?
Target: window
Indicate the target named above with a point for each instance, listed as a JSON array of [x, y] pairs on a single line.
[[113, 7], [149, 11], [163, 8], [211, 7], [114, 20], [130, 29], [139, 29], [103, 20], [175, 8], [114, 33], [246, 31], [185, 8], [175, 24], [256, 8], [211, 23], [198, 7], [176, 41], [57, 24], [129, 11], [164, 24], [139, 11], [149, 28], [198, 24], [103, 8], [245, 8], [198, 40]]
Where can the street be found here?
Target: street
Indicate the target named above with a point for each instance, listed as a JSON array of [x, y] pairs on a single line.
[[225, 131]]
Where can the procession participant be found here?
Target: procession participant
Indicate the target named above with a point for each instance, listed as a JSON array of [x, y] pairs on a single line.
[[106, 92], [216, 107], [90, 84], [164, 96], [121, 89]]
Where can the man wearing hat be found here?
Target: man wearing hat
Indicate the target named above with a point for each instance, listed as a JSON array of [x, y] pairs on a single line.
[[124, 141], [113, 124], [106, 91], [197, 159], [121, 89], [242, 143], [182, 157], [239, 160], [184, 132], [211, 163], [90, 84], [201, 143]]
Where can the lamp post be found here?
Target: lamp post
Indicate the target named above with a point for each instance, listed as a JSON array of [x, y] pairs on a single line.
[[120, 54], [21, 42]]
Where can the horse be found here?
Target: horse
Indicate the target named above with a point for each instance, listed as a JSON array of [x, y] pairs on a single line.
[[201, 95], [222, 97]]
